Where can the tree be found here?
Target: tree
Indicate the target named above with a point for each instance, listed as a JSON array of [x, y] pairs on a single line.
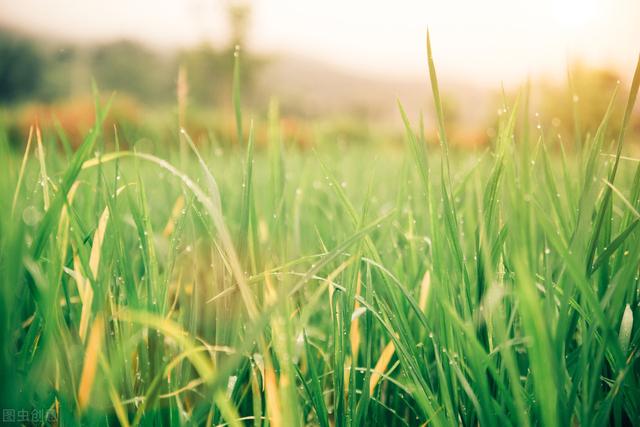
[[21, 68], [130, 67], [210, 68]]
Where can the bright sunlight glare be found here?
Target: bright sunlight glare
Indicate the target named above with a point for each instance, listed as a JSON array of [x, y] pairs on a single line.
[[574, 15], [523, 37]]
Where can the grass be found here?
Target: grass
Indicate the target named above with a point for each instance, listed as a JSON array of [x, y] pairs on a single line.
[[344, 286]]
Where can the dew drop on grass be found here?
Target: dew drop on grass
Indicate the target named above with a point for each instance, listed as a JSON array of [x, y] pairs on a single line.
[[31, 215]]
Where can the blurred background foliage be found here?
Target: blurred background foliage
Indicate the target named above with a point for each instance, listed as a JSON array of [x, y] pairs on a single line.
[[32, 69], [49, 82], [21, 68]]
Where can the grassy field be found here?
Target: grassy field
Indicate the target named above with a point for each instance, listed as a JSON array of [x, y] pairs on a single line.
[[156, 285]]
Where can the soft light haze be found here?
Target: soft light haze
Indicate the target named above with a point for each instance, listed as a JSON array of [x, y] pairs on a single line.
[[483, 42]]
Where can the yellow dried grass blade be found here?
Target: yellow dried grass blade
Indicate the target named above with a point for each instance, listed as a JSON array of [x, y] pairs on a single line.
[[381, 366], [354, 332], [90, 362], [84, 286], [43, 170], [274, 407], [175, 214], [86, 297], [425, 288]]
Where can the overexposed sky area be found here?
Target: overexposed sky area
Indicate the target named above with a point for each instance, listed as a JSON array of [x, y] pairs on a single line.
[[481, 41]]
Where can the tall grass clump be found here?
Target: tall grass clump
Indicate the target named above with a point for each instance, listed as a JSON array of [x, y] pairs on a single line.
[[147, 285]]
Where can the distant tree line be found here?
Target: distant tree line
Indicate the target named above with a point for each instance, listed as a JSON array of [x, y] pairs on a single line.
[[21, 68], [33, 69]]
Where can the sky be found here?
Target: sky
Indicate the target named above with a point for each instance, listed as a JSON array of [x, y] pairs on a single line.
[[479, 41]]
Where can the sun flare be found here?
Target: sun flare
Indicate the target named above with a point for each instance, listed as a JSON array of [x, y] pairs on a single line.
[[573, 15]]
